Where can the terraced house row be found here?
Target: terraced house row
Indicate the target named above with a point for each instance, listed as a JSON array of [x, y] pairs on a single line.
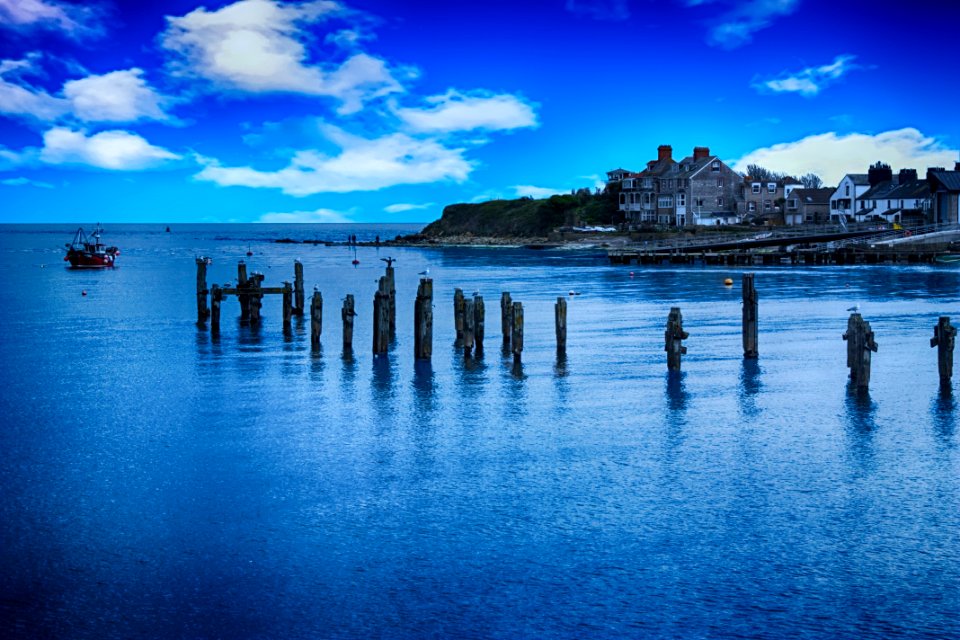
[[701, 189]]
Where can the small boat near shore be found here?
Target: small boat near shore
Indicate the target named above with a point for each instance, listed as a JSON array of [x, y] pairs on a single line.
[[948, 258], [88, 251]]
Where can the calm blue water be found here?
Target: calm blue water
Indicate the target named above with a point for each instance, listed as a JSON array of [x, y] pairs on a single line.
[[155, 482]]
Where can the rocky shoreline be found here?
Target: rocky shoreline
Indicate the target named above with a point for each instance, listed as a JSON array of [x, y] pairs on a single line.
[[470, 240]]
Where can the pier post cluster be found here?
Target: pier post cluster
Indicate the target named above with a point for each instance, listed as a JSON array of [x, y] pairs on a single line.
[[469, 320]]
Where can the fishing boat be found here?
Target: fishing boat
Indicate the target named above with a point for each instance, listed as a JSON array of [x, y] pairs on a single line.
[[87, 251]]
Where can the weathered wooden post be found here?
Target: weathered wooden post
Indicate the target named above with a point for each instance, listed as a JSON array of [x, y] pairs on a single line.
[[674, 337], [287, 305], [256, 298], [560, 320], [298, 288], [242, 287], [347, 313], [392, 298], [506, 317], [944, 338], [216, 296], [202, 311], [423, 321], [860, 346], [478, 324], [458, 304], [316, 318], [749, 317], [381, 317], [516, 333], [468, 327]]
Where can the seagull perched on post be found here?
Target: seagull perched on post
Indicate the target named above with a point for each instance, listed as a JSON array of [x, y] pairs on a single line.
[[425, 272], [855, 308]]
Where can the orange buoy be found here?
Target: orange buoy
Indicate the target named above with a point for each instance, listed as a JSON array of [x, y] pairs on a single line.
[[728, 282]]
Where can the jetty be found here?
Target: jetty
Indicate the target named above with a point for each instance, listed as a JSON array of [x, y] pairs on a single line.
[[800, 246]]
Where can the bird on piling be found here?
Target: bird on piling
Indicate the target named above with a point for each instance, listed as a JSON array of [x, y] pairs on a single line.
[[425, 272], [855, 308]]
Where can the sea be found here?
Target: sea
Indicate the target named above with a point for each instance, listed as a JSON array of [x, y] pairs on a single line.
[[157, 481]]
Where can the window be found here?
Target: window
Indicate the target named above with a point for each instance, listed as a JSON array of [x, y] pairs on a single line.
[[793, 203], [715, 165], [767, 205], [628, 184], [665, 202], [719, 182], [751, 206], [648, 183], [771, 187], [681, 200], [756, 187], [888, 204], [720, 201], [862, 205], [846, 190]]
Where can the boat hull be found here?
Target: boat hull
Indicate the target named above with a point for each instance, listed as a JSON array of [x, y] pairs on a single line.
[[87, 260]]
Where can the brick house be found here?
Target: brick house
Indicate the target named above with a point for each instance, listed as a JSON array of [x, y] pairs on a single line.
[[765, 199], [699, 189]]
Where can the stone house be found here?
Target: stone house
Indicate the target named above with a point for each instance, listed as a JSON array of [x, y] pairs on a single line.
[[807, 206], [699, 189], [765, 199]]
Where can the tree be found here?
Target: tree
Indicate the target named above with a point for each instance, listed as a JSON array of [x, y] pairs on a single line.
[[762, 174], [811, 181]]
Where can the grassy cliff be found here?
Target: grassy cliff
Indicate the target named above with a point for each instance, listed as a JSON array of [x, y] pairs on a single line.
[[525, 217]]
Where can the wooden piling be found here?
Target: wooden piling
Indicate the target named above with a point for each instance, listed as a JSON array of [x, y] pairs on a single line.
[[255, 299], [478, 324], [749, 317], [242, 297], [316, 318], [298, 288], [860, 346], [506, 317], [392, 299], [423, 321], [347, 314], [381, 317], [674, 337], [216, 296], [516, 330], [468, 327], [560, 321], [287, 305], [944, 338], [458, 305], [202, 311]]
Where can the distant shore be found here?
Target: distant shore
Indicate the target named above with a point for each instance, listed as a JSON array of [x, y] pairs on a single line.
[[585, 240]]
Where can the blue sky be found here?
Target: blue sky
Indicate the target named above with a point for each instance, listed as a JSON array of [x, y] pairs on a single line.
[[266, 110]]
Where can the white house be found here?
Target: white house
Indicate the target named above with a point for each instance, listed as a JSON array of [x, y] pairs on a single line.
[[845, 200]]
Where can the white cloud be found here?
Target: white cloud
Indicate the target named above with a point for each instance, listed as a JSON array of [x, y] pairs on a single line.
[[810, 81], [74, 20], [401, 207], [24, 182], [362, 165], [527, 190], [21, 99], [736, 25], [832, 156], [119, 96], [456, 111], [258, 46], [117, 150], [316, 216]]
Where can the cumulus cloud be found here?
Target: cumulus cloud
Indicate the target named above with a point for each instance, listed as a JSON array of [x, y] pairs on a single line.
[[259, 46], [530, 191], [116, 150], [457, 111], [742, 18], [19, 98], [362, 165], [401, 207], [315, 216], [832, 156], [25, 182], [74, 20], [810, 81], [119, 96]]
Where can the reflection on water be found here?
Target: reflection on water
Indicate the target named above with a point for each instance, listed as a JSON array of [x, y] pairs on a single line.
[[860, 425], [943, 411], [676, 392], [750, 387]]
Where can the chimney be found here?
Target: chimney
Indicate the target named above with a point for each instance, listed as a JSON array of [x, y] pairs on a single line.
[[907, 175], [664, 152], [879, 173], [699, 153], [931, 171]]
